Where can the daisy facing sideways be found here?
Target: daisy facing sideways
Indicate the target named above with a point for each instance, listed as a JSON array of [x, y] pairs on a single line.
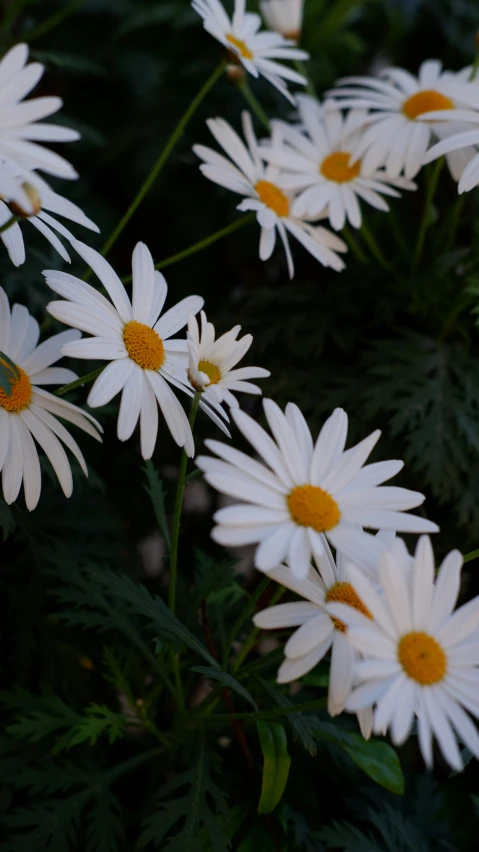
[[420, 658], [245, 173], [405, 109], [28, 413], [257, 52], [134, 338], [315, 161], [284, 16], [301, 492]]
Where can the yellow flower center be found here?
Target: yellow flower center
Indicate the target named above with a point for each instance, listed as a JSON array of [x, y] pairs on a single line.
[[144, 345], [310, 506], [336, 167], [425, 101], [211, 371], [422, 658], [272, 196], [241, 46], [21, 392], [345, 593]]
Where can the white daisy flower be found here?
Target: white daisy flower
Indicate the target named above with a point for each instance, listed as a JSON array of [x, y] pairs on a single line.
[[284, 16], [315, 159], [245, 174], [461, 144], [28, 412], [145, 359], [304, 491], [421, 659], [258, 52], [43, 201], [19, 128], [402, 126]]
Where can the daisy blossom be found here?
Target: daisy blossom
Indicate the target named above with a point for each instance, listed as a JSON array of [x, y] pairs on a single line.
[[246, 174], [134, 338], [315, 159], [420, 658], [460, 143], [304, 492], [19, 128], [258, 52], [284, 16], [405, 107], [29, 412]]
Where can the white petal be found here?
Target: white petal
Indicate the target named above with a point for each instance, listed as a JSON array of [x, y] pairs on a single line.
[[286, 615], [130, 405]]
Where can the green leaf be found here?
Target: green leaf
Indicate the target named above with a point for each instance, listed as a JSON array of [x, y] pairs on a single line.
[[319, 676], [46, 716], [8, 373], [154, 489], [297, 722], [227, 680], [277, 761], [98, 720]]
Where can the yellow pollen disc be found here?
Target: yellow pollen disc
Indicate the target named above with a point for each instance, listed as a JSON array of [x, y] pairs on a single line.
[[310, 506], [211, 371], [336, 167], [272, 196], [345, 593], [144, 345], [422, 658], [425, 101], [241, 46], [21, 393]]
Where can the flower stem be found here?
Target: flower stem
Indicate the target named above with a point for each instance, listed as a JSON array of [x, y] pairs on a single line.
[[301, 67], [354, 245], [251, 641], [425, 221], [246, 612], [9, 224], [468, 557], [373, 246], [255, 105], [89, 377]]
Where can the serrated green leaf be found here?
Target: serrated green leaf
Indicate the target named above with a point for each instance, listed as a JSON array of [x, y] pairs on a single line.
[[227, 680], [277, 761], [96, 721]]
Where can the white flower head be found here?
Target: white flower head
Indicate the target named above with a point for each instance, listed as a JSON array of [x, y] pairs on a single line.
[[258, 52], [29, 412], [459, 144], [302, 492], [405, 111], [245, 173], [145, 358], [284, 16], [420, 659], [316, 162]]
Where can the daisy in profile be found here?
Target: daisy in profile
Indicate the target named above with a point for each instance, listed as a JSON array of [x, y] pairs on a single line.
[[257, 52], [284, 16], [245, 173], [317, 632], [401, 127], [315, 159], [460, 144], [28, 413], [301, 492], [135, 338], [420, 658]]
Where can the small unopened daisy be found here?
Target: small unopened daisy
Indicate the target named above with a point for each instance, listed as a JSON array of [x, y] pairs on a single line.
[[284, 16], [20, 131], [401, 127], [137, 341], [258, 52], [302, 491], [317, 631], [245, 173], [28, 413], [315, 159], [421, 659]]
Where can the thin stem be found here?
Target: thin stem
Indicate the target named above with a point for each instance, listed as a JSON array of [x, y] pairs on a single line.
[[128, 765], [165, 154], [251, 641], [53, 21], [9, 224], [373, 246], [201, 244], [79, 382], [244, 615], [426, 214], [354, 245], [253, 102], [474, 67], [468, 557], [302, 68]]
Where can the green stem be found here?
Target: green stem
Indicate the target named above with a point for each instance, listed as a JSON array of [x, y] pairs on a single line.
[[79, 382], [373, 246], [165, 154], [53, 21], [244, 615], [302, 68], [354, 245], [128, 765], [201, 244], [9, 224], [251, 641], [474, 67], [426, 214], [255, 105], [468, 557]]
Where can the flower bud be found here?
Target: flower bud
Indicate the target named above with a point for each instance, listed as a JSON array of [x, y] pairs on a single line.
[[284, 17], [33, 196]]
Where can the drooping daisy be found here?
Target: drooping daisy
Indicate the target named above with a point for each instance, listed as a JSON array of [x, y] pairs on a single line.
[[245, 174], [258, 52], [28, 412], [134, 338], [317, 631], [421, 659], [19, 128], [315, 159], [400, 130], [284, 16], [304, 491]]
